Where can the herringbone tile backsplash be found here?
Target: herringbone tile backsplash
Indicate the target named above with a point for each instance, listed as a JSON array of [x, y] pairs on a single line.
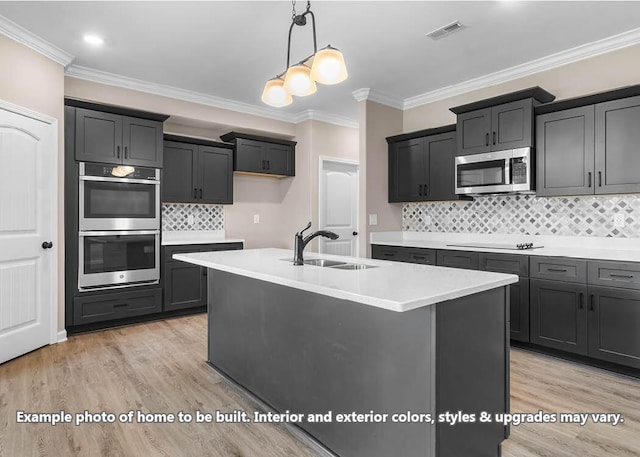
[[528, 214], [175, 216]]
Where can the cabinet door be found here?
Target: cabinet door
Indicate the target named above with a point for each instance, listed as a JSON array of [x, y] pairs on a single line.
[[457, 259], [142, 142], [519, 310], [617, 146], [279, 159], [441, 150], [179, 181], [407, 171], [215, 169], [98, 136], [185, 286], [559, 315], [473, 132], [250, 156], [565, 152], [512, 125], [614, 320]]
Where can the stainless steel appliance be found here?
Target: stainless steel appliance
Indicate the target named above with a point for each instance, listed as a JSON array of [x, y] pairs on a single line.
[[495, 172], [119, 258], [118, 197]]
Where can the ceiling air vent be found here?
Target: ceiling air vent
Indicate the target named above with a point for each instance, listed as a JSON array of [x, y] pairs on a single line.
[[446, 30]]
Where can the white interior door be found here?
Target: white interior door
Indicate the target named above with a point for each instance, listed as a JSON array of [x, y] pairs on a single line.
[[27, 168], [338, 205]]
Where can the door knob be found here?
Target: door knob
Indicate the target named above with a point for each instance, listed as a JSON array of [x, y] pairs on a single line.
[[47, 245], [354, 233]]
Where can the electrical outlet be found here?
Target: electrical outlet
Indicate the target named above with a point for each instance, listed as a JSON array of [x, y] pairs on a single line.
[[427, 220], [256, 218], [191, 219], [618, 220], [373, 219]]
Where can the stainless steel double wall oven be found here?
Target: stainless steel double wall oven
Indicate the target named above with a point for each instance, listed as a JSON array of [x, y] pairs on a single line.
[[119, 226]]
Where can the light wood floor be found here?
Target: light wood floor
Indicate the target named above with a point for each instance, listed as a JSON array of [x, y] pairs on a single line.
[[160, 367]]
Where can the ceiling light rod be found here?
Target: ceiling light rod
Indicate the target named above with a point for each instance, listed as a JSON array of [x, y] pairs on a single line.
[[327, 67]]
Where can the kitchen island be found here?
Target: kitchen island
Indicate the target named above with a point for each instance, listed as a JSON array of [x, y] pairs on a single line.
[[400, 345]]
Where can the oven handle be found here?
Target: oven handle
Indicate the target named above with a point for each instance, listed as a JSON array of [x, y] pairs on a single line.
[[118, 232], [119, 180]]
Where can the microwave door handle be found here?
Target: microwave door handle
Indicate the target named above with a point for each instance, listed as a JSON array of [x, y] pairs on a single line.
[[507, 171]]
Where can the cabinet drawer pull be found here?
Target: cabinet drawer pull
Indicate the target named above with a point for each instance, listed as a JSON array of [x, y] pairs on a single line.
[[494, 137], [418, 257], [420, 190], [599, 179], [486, 139], [118, 151], [264, 164], [591, 306], [126, 152], [581, 301], [589, 179], [388, 254], [613, 275], [120, 305], [201, 192], [195, 193], [268, 165], [426, 190], [561, 270]]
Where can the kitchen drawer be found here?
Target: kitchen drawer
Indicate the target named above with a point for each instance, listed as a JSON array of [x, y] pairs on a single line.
[[559, 269], [118, 305], [614, 274], [419, 255], [505, 263], [458, 259], [387, 253], [169, 250]]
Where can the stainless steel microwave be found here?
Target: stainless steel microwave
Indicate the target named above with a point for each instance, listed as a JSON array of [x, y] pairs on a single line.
[[118, 198], [495, 172]]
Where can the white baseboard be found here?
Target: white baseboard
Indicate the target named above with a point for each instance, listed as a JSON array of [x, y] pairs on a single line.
[[62, 336]]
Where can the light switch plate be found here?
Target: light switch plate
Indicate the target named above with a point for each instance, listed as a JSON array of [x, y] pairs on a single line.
[[373, 219], [256, 218]]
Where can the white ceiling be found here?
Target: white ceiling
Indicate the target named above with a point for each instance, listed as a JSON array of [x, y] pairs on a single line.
[[229, 49]]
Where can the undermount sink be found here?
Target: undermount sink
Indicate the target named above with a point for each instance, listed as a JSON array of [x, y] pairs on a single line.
[[334, 264], [353, 266], [323, 262]]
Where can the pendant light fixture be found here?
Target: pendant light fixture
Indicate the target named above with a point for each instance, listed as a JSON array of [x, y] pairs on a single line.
[[325, 67]]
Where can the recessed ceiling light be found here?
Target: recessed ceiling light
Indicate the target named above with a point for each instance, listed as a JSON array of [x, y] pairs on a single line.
[[94, 40]]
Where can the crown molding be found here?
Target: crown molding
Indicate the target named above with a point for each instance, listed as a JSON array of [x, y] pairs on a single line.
[[378, 97], [23, 36], [102, 77], [323, 116], [552, 61]]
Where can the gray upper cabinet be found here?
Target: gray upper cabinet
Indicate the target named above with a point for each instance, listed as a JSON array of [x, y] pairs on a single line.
[[565, 151], [617, 146], [197, 173], [262, 155], [422, 168], [506, 126], [113, 138], [589, 145]]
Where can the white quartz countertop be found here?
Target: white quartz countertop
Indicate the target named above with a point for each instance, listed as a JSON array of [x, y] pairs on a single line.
[[172, 238], [596, 248], [392, 285]]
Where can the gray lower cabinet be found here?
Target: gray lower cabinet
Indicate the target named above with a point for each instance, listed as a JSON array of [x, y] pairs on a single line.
[[116, 305], [185, 284], [516, 264], [559, 315], [614, 325]]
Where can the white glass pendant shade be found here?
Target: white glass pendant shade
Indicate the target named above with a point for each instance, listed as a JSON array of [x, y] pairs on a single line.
[[298, 81], [328, 66], [275, 94]]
